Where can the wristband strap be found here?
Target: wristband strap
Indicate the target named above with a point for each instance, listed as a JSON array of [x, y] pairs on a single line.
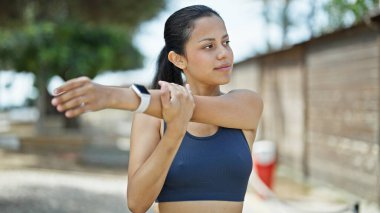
[[144, 104], [144, 95]]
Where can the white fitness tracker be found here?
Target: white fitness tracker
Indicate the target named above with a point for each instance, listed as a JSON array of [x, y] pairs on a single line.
[[144, 95]]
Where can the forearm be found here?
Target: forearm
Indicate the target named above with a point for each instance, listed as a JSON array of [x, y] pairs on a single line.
[[237, 110], [126, 99], [146, 183]]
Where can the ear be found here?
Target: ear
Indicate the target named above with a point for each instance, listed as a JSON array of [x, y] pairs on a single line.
[[177, 59]]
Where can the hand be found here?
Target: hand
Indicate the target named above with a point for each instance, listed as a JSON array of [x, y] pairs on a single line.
[[78, 96], [177, 104]]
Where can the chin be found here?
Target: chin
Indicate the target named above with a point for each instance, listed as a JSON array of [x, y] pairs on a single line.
[[224, 81]]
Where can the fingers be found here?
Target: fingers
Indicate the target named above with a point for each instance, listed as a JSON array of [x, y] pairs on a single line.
[[73, 97], [172, 93], [177, 102], [165, 96], [66, 97], [176, 90], [78, 101], [162, 83], [188, 88], [77, 111], [71, 84]]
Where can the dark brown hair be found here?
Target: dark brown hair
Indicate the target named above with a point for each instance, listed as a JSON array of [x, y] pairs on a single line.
[[178, 28]]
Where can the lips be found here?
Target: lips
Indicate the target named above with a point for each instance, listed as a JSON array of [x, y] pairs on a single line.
[[224, 67]]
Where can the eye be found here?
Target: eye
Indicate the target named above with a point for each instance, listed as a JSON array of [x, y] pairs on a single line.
[[227, 43], [209, 46]]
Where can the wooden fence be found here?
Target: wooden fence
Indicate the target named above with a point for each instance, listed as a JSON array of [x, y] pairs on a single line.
[[321, 106]]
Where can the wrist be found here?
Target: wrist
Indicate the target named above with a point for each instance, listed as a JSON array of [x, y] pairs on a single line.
[[122, 98], [111, 99], [176, 130]]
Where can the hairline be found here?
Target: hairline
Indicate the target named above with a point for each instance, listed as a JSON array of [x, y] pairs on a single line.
[[188, 32]]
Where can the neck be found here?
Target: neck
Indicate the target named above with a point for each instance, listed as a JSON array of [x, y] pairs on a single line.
[[205, 90]]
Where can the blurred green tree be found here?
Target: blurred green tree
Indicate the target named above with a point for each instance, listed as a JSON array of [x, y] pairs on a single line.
[[68, 50], [344, 13], [70, 38], [128, 13], [340, 13]]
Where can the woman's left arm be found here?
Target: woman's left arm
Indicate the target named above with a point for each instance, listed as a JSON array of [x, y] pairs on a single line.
[[240, 109]]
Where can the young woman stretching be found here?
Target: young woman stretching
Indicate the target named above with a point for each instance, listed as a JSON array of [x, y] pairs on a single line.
[[190, 148]]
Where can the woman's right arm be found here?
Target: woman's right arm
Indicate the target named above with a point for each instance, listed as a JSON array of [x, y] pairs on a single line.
[[150, 155]]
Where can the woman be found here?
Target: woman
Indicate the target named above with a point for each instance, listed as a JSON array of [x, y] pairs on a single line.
[[190, 149]]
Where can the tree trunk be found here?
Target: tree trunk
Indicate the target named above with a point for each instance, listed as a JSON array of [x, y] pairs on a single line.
[[41, 104], [285, 24], [47, 110], [266, 14], [311, 19], [72, 123]]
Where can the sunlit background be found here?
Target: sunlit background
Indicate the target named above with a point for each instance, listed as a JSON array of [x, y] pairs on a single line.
[[250, 34], [314, 62]]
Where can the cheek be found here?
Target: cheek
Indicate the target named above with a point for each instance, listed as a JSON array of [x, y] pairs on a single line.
[[206, 58], [200, 61]]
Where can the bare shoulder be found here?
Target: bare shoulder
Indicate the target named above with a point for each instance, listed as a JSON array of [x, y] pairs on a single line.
[[245, 92], [254, 100], [249, 96]]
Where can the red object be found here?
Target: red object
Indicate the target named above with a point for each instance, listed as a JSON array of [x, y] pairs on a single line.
[[264, 159], [266, 172]]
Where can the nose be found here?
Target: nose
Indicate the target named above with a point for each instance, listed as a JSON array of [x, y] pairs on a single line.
[[222, 53]]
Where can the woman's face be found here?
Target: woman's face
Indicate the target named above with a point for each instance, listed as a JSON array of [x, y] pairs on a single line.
[[209, 57]]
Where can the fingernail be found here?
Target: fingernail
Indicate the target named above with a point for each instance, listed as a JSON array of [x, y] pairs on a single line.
[[54, 101]]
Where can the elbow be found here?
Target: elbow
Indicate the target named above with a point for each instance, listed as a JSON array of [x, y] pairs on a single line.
[[131, 205], [133, 209], [135, 205]]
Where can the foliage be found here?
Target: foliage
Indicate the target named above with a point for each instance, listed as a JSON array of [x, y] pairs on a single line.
[[128, 13], [67, 49], [70, 38], [340, 13], [343, 13]]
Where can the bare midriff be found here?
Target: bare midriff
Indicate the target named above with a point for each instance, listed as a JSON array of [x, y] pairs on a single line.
[[200, 206]]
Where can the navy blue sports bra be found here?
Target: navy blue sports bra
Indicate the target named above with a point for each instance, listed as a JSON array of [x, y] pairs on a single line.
[[216, 167]]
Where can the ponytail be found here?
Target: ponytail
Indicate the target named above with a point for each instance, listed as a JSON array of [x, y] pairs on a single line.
[[166, 71]]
